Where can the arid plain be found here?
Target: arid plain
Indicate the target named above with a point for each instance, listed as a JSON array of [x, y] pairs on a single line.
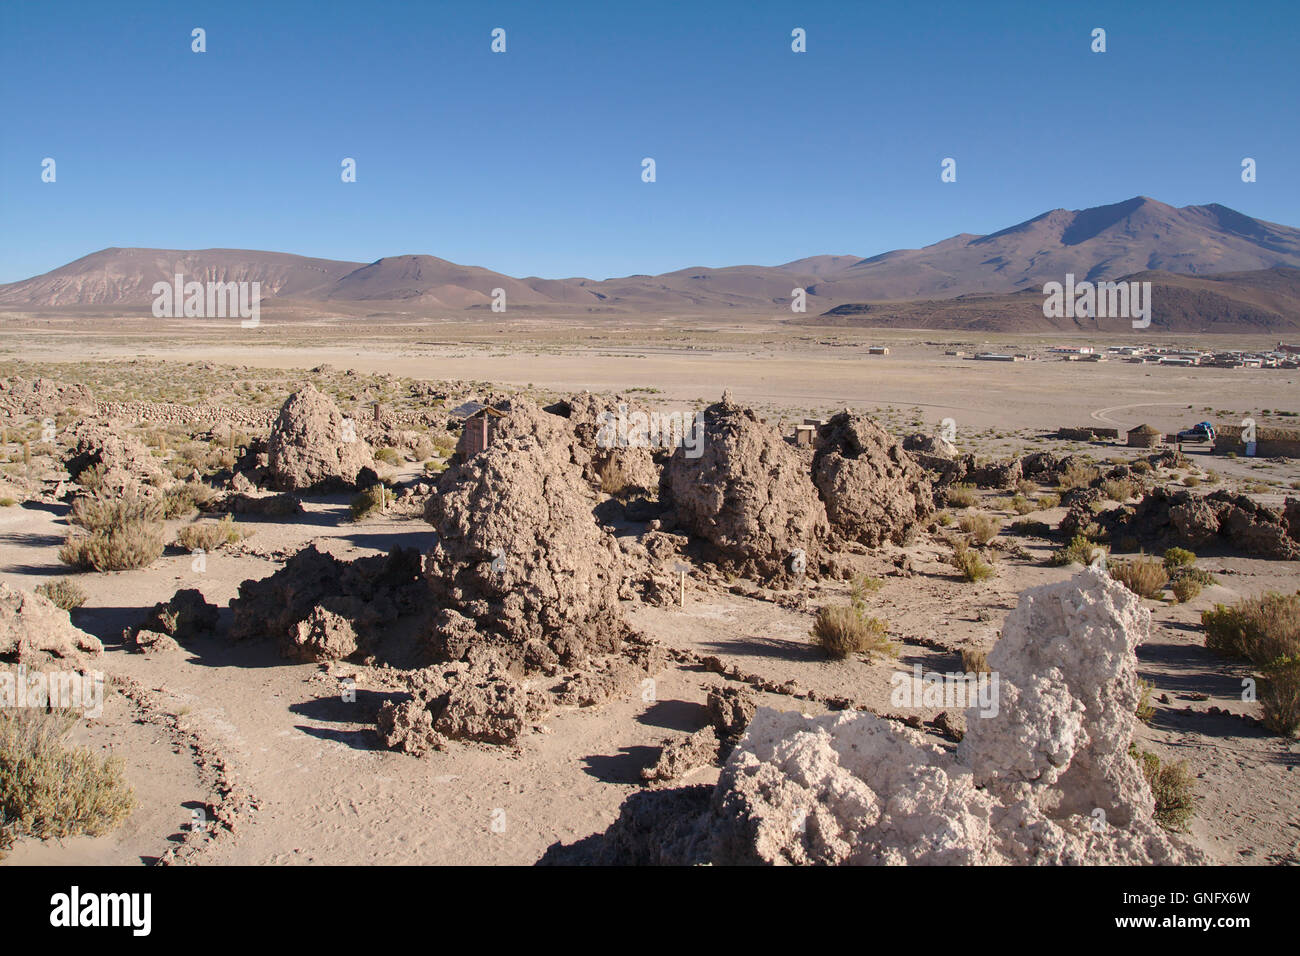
[[292, 773]]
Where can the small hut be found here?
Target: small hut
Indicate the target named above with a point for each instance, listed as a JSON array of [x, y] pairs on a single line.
[[1144, 436], [478, 429]]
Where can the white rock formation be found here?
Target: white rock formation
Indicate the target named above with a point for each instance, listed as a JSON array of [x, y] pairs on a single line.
[[1048, 779]]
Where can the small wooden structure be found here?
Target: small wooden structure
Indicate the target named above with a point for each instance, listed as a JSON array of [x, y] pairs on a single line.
[[477, 432]]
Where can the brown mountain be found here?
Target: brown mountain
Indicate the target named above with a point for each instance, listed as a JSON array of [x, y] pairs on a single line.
[[126, 276], [1264, 301], [1134, 236]]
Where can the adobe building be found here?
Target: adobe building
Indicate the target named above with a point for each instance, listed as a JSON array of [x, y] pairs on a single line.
[[1144, 436]]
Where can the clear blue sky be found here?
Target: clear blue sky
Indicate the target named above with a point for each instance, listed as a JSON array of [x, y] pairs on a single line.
[[529, 162]]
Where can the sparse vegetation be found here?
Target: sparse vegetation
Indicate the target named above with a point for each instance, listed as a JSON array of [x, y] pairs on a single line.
[[373, 499], [1145, 577], [1080, 550], [63, 592], [124, 533], [210, 535], [1176, 558], [1266, 631], [48, 791], [981, 527], [843, 630], [1172, 786], [974, 660], [960, 496], [389, 456], [967, 560], [1145, 711], [1077, 476]]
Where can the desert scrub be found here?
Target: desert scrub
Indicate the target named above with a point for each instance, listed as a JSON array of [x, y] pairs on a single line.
[[1279, 695], [981, 527], [1145, 577], [124, 533], [861, 586], [365, 503], [1185, 589], [210, 535], [968, 562], [1145, 711], [1262, 629], [48, 791], [7, 502], [960, 496], [843, 629], [1022, 505], [943, 519], [1046, 502], [1119, 489], [1191, 481], [1178, 558], [1080, 550], [1265, 630], [1077, 476], [1172, 787], [434, 467], [389, 456], [975, 660], [63, 593]]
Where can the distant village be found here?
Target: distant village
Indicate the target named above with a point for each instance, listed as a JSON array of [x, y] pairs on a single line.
[[1281, 356]]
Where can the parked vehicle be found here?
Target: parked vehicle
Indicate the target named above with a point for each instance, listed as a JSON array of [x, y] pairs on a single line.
[[1200, 432]]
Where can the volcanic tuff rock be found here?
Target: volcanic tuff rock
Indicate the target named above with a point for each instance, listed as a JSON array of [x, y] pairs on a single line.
[[1047, 779], [748, 496], [36, 632], [873, 490], [520, 557], [313, 447]]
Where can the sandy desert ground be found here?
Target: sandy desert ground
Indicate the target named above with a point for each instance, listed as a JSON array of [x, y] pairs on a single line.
[[309, 778]]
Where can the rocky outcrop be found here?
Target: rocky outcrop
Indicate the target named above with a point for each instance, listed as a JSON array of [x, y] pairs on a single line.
[[1044, 777], [1167, 517], [38, 633], [313, 448], [520, 560], [747, 497], [872, 489], [298, 605], [476, 699], [112, 463]]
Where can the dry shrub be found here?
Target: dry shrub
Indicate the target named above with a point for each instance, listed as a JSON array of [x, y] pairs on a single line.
[[63, 593], [1185, 589], [1262, 629], [373, 499], [843, 630], [103, 513], [982, 527], [967, 560], [1279, 695], [210, 535], [1077, 476], [48, 791], [1120, 489], [1178, 558], [1022, 505], [389, 456], [975, 660], [125, 533], [1172, 786], [1046, 502], [960, 496], [1266, 630], [1080, 550], [1145, 577], [1145, 711]]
